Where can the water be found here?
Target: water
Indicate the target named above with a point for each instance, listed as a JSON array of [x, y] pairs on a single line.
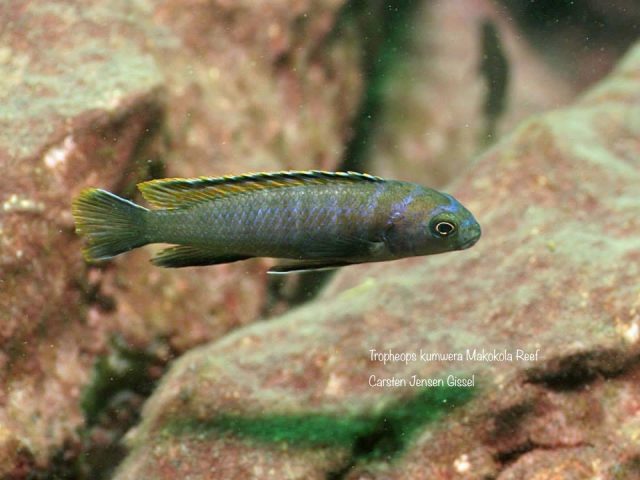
[[522, 110]]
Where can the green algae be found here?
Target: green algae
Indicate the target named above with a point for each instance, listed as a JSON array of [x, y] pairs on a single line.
[[123, 369], [111, 401], [302, 431], [380, 435], [387, 28]]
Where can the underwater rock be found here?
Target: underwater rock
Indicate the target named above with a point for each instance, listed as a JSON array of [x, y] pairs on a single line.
[[539, 321], [454, 92], [97, 94], [258, 85], [76, 110]]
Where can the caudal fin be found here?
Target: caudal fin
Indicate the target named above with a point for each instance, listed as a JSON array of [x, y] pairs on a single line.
[[110, 224]]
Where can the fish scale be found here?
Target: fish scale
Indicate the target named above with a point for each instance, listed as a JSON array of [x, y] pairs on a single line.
[[319, 219]]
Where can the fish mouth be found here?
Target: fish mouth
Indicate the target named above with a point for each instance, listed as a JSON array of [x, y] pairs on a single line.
[[472, 233], [470, 243]]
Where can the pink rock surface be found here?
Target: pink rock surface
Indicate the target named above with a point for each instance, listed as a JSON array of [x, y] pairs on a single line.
[[97, 94], [555, 273], [433, 123], [107, 94]]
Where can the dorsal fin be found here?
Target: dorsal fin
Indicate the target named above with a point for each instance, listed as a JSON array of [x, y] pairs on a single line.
[[171, 193]]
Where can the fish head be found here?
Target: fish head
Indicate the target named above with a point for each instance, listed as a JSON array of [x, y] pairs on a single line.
[[431, 222]]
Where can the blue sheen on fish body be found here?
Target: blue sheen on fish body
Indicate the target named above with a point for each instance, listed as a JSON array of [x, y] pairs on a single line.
[[318, 219], [419, 213]]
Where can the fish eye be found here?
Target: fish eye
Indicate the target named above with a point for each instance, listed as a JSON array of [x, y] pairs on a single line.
[[443, 228]]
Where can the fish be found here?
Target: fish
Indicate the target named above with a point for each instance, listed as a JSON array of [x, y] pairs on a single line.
[[313, 220]]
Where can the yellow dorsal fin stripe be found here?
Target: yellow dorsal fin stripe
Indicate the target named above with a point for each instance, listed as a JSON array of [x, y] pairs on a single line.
[[171, 193]]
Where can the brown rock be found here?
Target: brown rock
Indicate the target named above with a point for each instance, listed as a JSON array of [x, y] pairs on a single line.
[[434, 120], [555, 277], [76, 111], [107, 95], [258, 85]]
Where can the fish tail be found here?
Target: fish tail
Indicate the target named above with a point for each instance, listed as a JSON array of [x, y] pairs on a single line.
[[111, 225]]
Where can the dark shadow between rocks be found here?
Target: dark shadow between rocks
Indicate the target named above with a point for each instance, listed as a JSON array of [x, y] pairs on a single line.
[[112, 400], [576, 371]]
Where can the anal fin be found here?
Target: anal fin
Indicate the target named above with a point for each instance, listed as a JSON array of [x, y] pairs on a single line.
[[299, 266], [188, 256]]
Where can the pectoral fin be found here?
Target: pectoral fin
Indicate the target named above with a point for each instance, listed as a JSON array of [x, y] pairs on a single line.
[[299, 266], [329, 255], [188, 256], [345, 246]]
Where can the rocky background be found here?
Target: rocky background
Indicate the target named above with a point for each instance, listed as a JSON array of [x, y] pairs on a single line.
[[448, 93]]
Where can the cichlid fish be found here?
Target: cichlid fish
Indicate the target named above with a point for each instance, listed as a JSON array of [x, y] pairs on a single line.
[[316, 219]]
